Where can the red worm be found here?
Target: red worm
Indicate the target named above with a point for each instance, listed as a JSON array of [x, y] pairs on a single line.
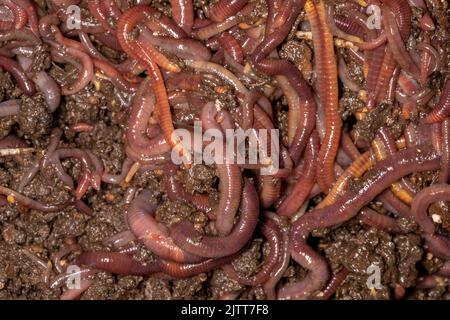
[[6, 18], [14, 196], [114, 76], [20, 15], [152, 234], [186, 270], [175, 191], [437, 245], [126, 24], [444, 176], [46, 23], [96, 9], [183, 14], [112, 9], [283, 261], [303, 187], [327, 85], [183, 81], [307, 106], [333, 285], [272, 232], [116, 262], [403, 14], [32, 15], [376, 220], [184, 234], [442, 109], [224, 9], [183, 48], [136, 133], [382, 175], [427, 196], [231, 47], [215, 28], [374, 65], [24, 83], [85, 74], [385, 75], [230, 179], [46, 84], [396, 43]]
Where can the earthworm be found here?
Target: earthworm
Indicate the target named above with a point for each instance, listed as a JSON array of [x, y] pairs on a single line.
[[182, 81], [392, 203], [429, 55], [403, 189], [46, 84], [374, 67], [6, 18], [45, 25], [426, 22], [112, 9], [20, 14], [396, 44], [402, 13], [116, 262], [333, 285], [438, 245], [215, 28], [377, 220], [358, 167], [182, 48], [62, 278], [442, 108], [232, 47], [230, 180], [184, 234], [72, 294], [96, 9], [9, 108], [381, 176], [444, 176], [175, 191], [384, 76], [86, 72], [136, 134], [306, 106], [25, 84], [420, 204], [349, 147], [120, 239], [118, 178], [302, 188], [183, 14], [186, 270], [126, 24], [327, 91], [152, 234], [63, 251], [24, 38], [274, 236], [14, 196], [224, 9], [114, 76], [345, 77], [284, 258], [28, 6]]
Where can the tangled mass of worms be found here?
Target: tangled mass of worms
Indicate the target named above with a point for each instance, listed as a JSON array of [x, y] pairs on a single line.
[[359, 91]]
